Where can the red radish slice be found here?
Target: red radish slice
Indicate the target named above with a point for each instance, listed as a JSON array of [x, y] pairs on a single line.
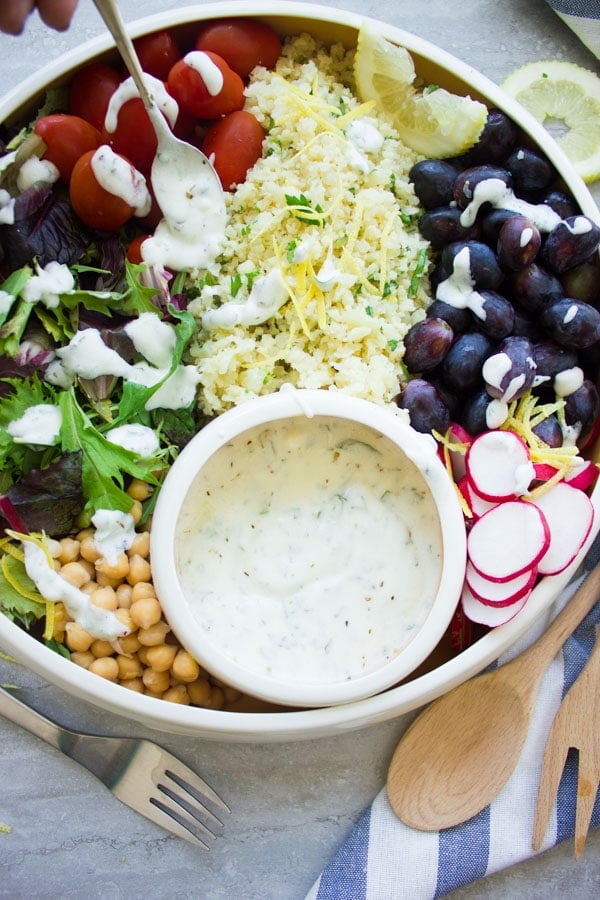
[[508, 540], [499, 593], [456, 434], [570, 515], [583, 475], [492, 616], [544, 471], [499, 466], [477, 504]]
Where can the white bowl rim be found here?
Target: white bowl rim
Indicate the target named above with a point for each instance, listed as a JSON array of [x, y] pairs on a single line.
[[288, 403], [301, 724]]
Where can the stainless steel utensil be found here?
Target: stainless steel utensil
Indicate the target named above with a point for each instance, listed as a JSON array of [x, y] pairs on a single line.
[[139, 773]]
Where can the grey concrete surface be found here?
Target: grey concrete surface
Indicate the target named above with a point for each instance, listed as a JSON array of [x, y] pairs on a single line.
[[293, 804]]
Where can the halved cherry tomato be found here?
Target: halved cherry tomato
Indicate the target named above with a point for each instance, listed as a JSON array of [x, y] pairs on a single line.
[[66, 138], [191, 92], [134, 136], [90, 92], [243, 43], [134, 249], [157, 53], [94, 205], [234, 143]]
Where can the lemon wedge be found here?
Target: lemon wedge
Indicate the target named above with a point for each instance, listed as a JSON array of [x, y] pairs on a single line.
[[565, 98], [432, 121]]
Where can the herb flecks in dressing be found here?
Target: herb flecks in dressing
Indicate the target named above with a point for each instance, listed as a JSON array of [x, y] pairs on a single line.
[[309, 549]]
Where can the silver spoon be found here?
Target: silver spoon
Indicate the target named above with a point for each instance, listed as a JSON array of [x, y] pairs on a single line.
[[185, 184]]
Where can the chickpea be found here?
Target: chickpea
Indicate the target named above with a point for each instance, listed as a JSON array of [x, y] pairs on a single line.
[[134, 684], [216, 699], [231, 694], [106, 667], [185, 667], [199, 692], [88, 549], [69, 550], [145, 612], [124, 617], [136, 511], [76, 573], [61, 617], [140, 546], [101, 648], [129, 644], [105, 598], [129, 667], [160, 657], [77, 638], [154, 635], [139, 490], [123, 593], [118, 569], [82, 658], [139, 569], [177, 694], [142, 655], [157, 682], [141, 590]]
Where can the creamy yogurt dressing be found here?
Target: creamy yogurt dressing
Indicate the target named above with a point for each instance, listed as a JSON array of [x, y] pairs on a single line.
[[39, 425], [114, 534], [267, 295], [500, 196], [309, 549], [128, 91], [48, 284], [101, 623], [120, 178]]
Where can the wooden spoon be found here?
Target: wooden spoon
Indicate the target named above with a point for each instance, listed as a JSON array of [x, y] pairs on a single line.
[[458, 754]]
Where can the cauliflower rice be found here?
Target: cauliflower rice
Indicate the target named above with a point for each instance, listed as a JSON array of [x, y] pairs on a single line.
[[323, 270]]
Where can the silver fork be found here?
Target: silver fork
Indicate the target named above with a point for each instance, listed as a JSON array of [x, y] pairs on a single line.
[[139, 773]]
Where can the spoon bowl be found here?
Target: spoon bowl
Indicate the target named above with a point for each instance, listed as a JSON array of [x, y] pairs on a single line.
[[186, 186], [460, 752]]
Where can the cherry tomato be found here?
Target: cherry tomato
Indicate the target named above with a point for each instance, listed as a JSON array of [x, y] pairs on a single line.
[[188, 87], [134, 136], [95, 206], [134, 249], [157, 53], [243, 43], [90, 92], [234, 143], [66, 138]]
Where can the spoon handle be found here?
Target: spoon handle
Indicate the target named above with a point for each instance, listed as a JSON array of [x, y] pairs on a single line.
[[109, 11], [568, 619]]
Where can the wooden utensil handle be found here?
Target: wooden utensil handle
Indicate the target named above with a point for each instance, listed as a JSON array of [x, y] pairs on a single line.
[[575, 610]]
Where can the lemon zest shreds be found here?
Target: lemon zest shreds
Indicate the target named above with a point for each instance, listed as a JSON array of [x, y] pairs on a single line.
[[362, 109], [49, 626], [288, 287], [523, 415]]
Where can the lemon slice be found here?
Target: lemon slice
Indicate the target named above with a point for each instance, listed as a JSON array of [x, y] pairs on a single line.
[[433, 122], [565, 98]]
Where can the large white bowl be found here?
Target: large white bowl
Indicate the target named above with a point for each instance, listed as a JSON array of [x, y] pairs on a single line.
[[435, 66]]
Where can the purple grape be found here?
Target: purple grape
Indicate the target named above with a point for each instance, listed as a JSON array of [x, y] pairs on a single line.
[[549, 431], [468, 180], [426, 345], [518, 243], [461, 369], [581, 410], [483, 265], [583, 283], [491, 222], [497, 139], [442, 226], [474, 412], [550, 359], [534, 288], [498, 318], [510, 371], [426, 407], [561, 203], [459, 320], [572, 323], [433, 181], [531, 172], [570, 243]]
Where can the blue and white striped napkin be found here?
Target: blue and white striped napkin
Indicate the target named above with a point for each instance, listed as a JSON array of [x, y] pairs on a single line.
[[583, 17], [383, 859]]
